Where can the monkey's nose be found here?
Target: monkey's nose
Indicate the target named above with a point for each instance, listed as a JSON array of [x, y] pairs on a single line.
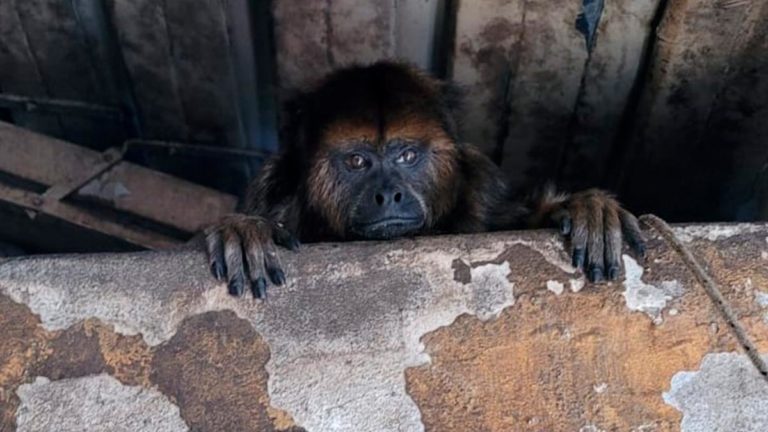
[[387, 198]]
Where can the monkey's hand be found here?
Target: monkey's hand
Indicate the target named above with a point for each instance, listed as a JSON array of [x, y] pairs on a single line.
[[242, 251], [596, 222]]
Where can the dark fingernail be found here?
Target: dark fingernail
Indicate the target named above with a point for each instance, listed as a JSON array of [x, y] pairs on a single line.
[[276, 276], [578, 257], [565, 226], [596, 273], [236, 286], [259, 288], [613, 273], [217, 269]]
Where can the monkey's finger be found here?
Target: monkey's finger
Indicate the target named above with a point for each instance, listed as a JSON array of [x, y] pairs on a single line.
[[632, 232], [215, 248], [612, 242], [254, 258], [272, 264], [578, 233], [595, 241], [233, 255], [283, 237]]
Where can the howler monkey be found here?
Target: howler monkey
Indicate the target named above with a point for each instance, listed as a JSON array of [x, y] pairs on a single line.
[[373, 152]]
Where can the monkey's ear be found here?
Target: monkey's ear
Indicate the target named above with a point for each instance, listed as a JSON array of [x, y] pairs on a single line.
[[451, 98]]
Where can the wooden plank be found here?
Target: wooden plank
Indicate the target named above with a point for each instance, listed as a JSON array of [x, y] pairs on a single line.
[[126, 187], [68, 67], [19, 72], [146, 49], [416, 31], [689, 115], [611, 72], [314, 38], [550, 62], [486, 55], [76, 216], [521, 63], [201, 57]]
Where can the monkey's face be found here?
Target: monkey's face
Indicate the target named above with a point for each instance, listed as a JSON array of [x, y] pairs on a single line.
[[373, 185], [382, 162]]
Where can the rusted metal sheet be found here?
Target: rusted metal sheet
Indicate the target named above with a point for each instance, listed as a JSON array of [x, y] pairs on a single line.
[[491, 332], [126, 187], [702, 113]]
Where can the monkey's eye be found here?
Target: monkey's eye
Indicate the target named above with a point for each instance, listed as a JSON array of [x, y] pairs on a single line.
[[356, 162], [407, 157]]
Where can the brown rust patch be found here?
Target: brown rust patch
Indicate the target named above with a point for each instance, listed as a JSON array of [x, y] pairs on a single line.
[[538, 367], [23, 343], [127, 358], [214, 369], [563, 362], [74, 352]]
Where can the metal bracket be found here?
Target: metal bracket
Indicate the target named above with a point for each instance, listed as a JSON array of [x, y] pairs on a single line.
[[109, 158]]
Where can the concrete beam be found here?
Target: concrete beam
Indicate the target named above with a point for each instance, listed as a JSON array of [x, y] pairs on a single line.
[[456, 333]]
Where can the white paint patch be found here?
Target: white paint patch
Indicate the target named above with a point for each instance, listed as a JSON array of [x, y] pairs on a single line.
[[762, 300], [714, 232], [600, 388], [576, 284], [644, 297], [97, 403], [764, 255], [555, 286], [725, 394]]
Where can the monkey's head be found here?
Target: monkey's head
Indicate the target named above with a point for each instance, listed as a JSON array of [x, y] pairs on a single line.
[[380, 149]]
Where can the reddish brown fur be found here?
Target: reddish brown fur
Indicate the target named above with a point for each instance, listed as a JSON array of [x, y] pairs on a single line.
[[304, 191]]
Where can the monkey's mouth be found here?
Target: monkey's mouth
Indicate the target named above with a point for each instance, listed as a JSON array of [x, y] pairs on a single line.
[[389, 228]]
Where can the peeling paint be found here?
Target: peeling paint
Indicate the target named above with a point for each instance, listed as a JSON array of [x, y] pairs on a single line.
[[600, 388], [714, 232], [345, 374], [762, 300], [726, 394], [97, 403], [555, 286], [576, 284], [644, 297]]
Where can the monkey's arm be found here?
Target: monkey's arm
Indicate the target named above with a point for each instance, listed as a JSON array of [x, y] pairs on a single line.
[[242, 247], [595, 222]]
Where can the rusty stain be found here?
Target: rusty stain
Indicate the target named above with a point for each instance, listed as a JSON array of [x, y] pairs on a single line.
[[24, 343], [222, 366], [213, 367]]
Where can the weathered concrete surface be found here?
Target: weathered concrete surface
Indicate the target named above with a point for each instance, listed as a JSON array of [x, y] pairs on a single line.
[[487, 332]]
